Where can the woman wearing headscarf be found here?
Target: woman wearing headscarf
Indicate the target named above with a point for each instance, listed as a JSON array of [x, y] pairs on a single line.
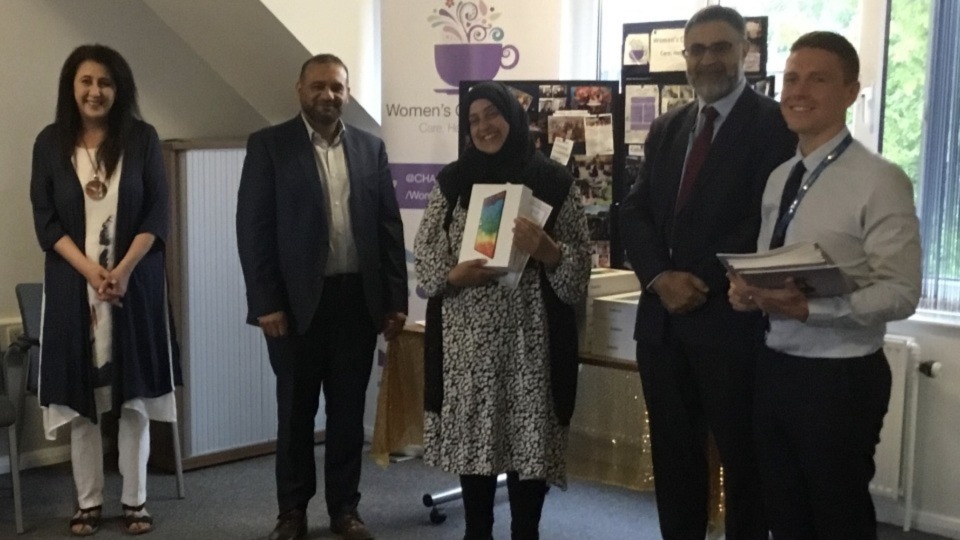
[[99, 197], [500, 362]]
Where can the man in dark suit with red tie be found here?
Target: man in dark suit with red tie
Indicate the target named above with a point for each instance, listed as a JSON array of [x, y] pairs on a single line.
[[321, 246], [698, 194]]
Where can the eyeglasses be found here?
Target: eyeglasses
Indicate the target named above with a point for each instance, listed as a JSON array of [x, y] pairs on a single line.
[[697, 50]]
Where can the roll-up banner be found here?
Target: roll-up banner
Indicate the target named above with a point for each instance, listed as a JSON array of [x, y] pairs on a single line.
[[428, 47]]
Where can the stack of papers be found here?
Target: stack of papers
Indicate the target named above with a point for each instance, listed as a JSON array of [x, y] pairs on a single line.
[[811, 269]]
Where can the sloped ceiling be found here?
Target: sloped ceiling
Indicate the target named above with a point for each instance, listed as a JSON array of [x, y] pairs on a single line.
[[250, 49]]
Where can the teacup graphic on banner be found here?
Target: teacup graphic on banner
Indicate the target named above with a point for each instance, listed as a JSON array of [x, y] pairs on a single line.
[[635, 50], [471, 48], [472, 61]]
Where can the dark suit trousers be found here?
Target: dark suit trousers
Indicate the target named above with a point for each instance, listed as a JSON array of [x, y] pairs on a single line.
[[693, 390], [335, 354], [818, 423]]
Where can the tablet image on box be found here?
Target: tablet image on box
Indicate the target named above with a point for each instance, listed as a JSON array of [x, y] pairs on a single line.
[[488, 229], [490, 215]]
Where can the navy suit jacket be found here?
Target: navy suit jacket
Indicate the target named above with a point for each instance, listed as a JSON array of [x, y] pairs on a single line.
[[282, 227], [721, 215]]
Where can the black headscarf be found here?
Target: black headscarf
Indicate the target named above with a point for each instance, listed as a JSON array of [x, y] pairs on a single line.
[[510, 162]]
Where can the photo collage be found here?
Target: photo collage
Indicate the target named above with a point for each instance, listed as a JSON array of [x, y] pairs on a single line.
[[580, 116], [645, 102]]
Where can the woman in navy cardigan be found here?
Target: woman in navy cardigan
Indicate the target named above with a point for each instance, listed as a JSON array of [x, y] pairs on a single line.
[[99, 198]]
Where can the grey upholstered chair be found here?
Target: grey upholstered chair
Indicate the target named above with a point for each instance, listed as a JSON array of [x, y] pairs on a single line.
[[14, 355]]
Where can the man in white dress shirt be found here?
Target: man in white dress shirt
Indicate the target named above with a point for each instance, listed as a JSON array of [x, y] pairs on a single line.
[[823, 382]]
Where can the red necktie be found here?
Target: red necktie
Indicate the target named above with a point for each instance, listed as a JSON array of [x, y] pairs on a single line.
[[696, 157]]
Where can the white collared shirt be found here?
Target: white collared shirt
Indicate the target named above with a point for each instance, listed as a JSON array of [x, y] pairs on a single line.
[[723, 107], [335, 178], [861, 213]]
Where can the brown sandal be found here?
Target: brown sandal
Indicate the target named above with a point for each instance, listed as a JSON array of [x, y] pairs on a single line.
[[137, 515], [86, 517]]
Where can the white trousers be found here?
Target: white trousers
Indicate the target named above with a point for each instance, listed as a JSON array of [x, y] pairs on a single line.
[[86, 453]]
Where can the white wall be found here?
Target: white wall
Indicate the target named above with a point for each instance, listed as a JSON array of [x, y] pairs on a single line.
[[254, 53], [184, 98], [192, 81], [349, 30], [179, 95]]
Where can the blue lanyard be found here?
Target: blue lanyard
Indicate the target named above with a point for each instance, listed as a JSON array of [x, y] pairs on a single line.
[[787, 217]]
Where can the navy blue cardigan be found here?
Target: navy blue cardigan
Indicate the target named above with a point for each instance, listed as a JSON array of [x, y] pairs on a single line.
[[145, 354]]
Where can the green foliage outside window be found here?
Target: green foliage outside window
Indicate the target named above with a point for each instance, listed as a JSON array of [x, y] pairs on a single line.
[[790, 19], [906, 85]]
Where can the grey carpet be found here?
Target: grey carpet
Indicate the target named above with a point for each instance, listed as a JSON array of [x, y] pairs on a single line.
[[236, 501]]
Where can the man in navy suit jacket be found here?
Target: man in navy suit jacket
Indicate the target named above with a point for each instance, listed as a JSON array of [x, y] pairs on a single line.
[[321, 246], [696, 355]]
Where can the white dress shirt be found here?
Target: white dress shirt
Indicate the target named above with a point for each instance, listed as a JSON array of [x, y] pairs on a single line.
[[723, 107], [861, 213], [332, 168]]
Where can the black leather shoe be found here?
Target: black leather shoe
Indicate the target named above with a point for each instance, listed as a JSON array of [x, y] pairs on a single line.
[[350, 527], [291, 525]]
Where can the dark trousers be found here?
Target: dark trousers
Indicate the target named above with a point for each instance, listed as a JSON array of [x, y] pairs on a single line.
[[335, 354], [818, 423], [693, 390], [526, 505]]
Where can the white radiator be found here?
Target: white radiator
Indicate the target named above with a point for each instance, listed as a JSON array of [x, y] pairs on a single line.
[[893, 456]]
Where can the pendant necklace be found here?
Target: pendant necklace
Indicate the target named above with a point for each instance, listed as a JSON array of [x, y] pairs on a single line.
[[96, 188]]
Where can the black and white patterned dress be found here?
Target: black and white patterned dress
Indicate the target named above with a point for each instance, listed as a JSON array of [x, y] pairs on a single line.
[[497, 412]]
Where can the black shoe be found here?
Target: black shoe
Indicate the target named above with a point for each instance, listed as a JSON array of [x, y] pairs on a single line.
[[350, 526], [291, 525]]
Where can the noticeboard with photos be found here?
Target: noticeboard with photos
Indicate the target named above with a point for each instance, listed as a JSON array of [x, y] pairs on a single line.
[[579, 124]]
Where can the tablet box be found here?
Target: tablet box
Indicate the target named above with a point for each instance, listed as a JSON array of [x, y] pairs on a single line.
[[488, 231]]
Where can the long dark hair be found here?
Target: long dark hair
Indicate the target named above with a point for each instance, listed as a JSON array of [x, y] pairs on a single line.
[[121, 116]]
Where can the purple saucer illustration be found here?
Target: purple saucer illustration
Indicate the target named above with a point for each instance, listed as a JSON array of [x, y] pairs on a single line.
[[472, 48]]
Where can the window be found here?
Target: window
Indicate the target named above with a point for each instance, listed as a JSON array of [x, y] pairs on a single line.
[[919, 69], [905, 85], [790, 19], [937, 157]]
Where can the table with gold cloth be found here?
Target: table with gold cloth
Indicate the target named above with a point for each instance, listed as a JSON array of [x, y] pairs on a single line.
[[609, 439]]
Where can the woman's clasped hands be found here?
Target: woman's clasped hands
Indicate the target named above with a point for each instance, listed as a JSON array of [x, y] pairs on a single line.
[[111, 285]]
